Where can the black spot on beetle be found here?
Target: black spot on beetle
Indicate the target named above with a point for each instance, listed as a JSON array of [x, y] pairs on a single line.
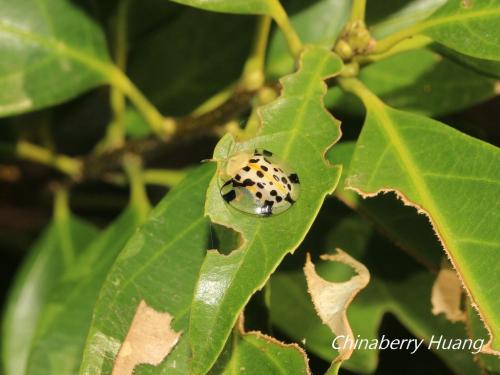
[[284, 180], [258, 194], [294, 178], [246, 168], [264, 168], [275, 169], [260, 174], [248, 182], [237, 177], [267, 153], [278, 199], [260, 185], [289, 187], [276, 178], [267, 161], [229, 196], [254, 160], [274, 193], [289, 199]]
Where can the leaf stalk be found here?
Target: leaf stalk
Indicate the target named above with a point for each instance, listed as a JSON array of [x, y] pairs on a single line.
[[65, 164], [281, 18], [358, 10], [253, 72]]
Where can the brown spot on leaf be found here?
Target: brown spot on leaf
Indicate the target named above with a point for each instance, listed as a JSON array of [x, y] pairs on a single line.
[[149, 340], [447, 294]]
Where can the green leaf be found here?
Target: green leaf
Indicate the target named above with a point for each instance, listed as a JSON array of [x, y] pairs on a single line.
[[159, 264], [255, 353], [392, 275], [318, 23], [478, 332], [51, 51], [40, 271], [408, 15], [489, 68], [449, 176], [469, 27], [66, 318], [412, 233], [435, 86], [231, 6], [297, 128]]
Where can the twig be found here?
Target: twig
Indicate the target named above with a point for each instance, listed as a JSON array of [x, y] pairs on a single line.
[[65, 164], [115, 135]]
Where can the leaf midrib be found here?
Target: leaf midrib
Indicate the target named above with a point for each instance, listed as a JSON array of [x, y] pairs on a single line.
[[432, 22], [60, 48], [462, 16], [299, 119]]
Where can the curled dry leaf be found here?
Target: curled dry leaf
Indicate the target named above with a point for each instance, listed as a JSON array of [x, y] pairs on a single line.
[[332, 299], [149, 340], [447, 294]]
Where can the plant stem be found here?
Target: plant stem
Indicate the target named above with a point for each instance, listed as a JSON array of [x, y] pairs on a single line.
[[115, 136], [416, 42], [163, 127], [65, 164], [253, 73], [356, 87], [61, 217], [389, 42], [358, 10], [214, 101], [138, 196], [164, 177], [61, 204], [334, 368], [279, 15]]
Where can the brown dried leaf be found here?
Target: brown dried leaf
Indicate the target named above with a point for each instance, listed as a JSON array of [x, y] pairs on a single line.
[[149, 340], [331, 299], [447, 294]]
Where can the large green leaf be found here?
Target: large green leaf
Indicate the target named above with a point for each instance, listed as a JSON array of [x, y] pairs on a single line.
[[51, 51], [297, 128], [409, 14], [469, 27], [435, 86], [393, 274], [159, 264], [66, 318], [317, 23], [451, 177], [231, 6], [478, 332], [254, 353], [410, 232], [37, 276], [489, 68]]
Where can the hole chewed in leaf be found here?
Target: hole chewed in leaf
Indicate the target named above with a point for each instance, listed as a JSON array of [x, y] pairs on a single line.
[[149, 340], [447, 294], [332, 299]]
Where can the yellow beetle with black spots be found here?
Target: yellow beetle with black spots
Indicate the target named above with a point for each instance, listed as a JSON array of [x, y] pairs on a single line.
[[258, 183]]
